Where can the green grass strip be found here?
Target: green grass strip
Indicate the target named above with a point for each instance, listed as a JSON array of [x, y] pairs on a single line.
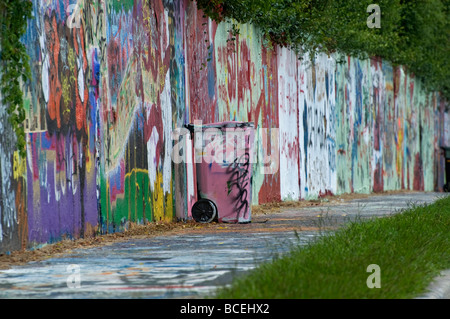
[[410, 248]]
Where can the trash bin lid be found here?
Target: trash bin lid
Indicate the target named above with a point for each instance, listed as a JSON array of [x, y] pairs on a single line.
[[222, 125]]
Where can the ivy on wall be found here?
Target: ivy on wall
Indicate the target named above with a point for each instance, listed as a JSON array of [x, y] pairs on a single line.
[[14, 63], [413, 33]]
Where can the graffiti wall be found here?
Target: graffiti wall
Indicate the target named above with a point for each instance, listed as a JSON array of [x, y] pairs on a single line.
[[388, 130], [13, 200], [62, 100], [112, 81]]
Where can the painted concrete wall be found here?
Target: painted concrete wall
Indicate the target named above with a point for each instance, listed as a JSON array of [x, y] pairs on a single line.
[[13, 201], [111, 80]]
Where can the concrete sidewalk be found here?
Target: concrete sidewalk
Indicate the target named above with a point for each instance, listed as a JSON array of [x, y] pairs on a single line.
[[193, 263], [439, 288]]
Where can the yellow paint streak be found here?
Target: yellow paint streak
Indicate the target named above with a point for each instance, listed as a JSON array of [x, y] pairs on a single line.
[[19, 166], [129, 204], [158, 198], [136, 170], [88, 160], [162, 203], [169, 205], [399, 148], [107, 201], [162, 77]]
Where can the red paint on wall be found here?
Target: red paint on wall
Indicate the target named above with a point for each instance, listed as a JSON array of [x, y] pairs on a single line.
[[197, 41], [270, 189], [418, 184], [326, 193], [155, 120], [54, 84], [378, 178], [244, 72]]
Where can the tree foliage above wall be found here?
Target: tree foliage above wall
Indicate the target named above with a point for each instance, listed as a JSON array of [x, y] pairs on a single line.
[[414, 33], [14, 62]]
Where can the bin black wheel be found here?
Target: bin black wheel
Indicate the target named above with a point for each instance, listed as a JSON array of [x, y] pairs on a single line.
[[204, 211], [446, 188]]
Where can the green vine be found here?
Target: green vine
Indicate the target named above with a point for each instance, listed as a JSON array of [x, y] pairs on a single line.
[[413, 33], [14, 63]]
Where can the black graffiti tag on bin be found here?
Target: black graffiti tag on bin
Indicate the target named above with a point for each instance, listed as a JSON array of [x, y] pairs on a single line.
[[240, 178]]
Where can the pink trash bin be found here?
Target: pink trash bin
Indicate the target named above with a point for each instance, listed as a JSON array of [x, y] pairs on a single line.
[[223, 157]]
